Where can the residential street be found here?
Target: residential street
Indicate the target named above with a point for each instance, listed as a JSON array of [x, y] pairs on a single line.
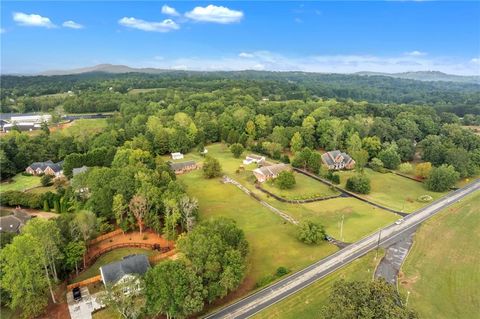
[[270, 295]]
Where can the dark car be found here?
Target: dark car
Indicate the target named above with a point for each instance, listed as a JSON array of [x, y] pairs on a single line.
[[77, 294]]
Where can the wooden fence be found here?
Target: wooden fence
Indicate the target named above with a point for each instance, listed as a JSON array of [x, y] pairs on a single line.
[[105, 236], [85, 282]]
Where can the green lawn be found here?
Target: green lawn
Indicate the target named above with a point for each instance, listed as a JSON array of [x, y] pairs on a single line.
[[273, 241], [308, 302], [393, 191], [106, 313], [109, 257], [305, 188], [85, 127], [20, 183], [442, 271]]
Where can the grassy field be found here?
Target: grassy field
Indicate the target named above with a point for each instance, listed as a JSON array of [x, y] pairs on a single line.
[[85, 126], [20, 183], [308, 302], [442, 271], [304, 188], [109, 257], [273, 242], [393, 191]]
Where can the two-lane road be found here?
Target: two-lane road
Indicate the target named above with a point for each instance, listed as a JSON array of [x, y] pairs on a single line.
[[268, 296]]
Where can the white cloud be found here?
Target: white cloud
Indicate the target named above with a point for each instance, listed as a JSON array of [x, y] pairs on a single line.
[[215, 14], [32, 20], [169, 11], [245, 55], [2, 30], [72, 25], [163, 26], [475, 60], [415, 53]]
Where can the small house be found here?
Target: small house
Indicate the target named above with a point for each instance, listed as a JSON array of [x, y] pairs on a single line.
[[269, 172], [183, 167], [119, 271], [177, 156], [47, 168], [337, 160], [14, 223], [252, 158]]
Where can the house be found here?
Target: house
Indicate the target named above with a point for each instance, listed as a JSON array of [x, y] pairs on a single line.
[[268, 172], [47, 168], [79, 170], [131, 265], [22, 127], [183, 167], [338, 160], [177, 156], [14, 223], [252, 158], [35, 119]]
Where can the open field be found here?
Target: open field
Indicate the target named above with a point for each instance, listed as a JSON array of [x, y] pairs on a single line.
[[442, 271], [20, 183], [109, 257], [273, 241], [304, 188], [85, 126], [393, 191], [308, 302]]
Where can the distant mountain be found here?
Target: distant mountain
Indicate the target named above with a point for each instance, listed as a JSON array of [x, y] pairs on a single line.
[[426, 76], [105, 68], [419, 75]]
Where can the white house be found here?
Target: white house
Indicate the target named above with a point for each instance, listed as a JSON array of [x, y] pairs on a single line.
[[252, 158], [177, 156]]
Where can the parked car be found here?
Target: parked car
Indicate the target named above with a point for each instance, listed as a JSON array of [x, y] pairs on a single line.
[[77, 294], [398, 222]]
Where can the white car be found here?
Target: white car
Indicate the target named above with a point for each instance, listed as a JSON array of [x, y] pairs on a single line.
[[398, 222]]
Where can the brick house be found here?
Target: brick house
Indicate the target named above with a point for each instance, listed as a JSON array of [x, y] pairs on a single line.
[[268, 172], [337, 160], [183, 167]]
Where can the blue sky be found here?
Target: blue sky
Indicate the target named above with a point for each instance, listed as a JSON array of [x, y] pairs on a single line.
[[339, 37]]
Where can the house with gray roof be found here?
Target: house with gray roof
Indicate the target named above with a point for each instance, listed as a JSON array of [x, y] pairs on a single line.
[[14, 223], [47, 168], [132, 265], [268, 172], [183, 167], [338, 160]]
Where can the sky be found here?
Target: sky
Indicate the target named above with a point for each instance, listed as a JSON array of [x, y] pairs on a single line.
[[339, 37]]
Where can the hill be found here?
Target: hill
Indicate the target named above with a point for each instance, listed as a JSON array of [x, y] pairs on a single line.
[[426, 76]]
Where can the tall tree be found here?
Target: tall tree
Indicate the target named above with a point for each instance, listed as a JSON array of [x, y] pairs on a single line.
[[74, 252], [296, 143], [173, 289], [138, 207]]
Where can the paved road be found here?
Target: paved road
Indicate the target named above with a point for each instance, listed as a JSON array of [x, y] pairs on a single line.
[[395, 255], [264, 298]]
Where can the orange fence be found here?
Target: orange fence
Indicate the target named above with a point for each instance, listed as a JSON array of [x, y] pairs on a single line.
[[85, 282], [105, 236]]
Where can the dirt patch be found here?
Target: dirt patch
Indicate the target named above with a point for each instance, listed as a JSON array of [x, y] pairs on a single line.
[[407, 282], [60, 126], [60, 309]]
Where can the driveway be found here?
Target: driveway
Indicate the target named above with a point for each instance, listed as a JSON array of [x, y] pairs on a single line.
[[83, 308]]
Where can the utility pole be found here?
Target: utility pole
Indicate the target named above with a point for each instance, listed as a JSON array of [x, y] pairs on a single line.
[[341, 228]]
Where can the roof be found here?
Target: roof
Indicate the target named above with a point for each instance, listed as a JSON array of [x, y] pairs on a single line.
[[79, 170], [13, 223], [272, 170], [32, 118], [56, 167], [132, 264], [257, 157], [181, 165], [329, 157], [176, 154]]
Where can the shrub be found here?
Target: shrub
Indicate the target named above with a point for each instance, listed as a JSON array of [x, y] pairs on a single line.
[[18, 198], [285, 159], [265, 281], [310, 232], [359, 184], [442, 178], [390, 158], [333, 177], [376, 164], [46, 180], [423, 169], [236, 149], [285, 180], [282, 271], [211, 167], [405, 168]]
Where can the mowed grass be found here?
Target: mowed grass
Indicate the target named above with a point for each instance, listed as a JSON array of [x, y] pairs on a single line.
[[304, 188], [393, 191], [85, 127], [442, 271], [272, 240], [114, 255], [308, 302], [20, 183]]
